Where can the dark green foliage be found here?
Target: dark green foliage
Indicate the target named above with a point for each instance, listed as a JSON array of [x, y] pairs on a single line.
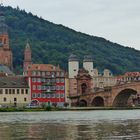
[[48, 108], [53, 43]]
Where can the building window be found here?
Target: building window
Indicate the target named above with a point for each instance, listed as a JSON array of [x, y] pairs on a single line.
[[1, 91], [15, 99], [57, 74], [43, 95], [43, 73], [47, 87], [62, 74], [33, 79], [61, 87], [39, 95], [62, 80], [48, 73], [48, 80], [13, 91], [34, 73], [17, 91], [25, 99], [84, 88], [43, 79], [26, 91], [4, 99], [33, 95], [47, 95], [38, 73], [53, 80], [52, 87], [6, 91], [22, 91], [39, 80], [57, 88], [34, 87], [43, 87], [57, 95], [39, 87], [57, 80], [9, 91], [52, 95], [62, 95]]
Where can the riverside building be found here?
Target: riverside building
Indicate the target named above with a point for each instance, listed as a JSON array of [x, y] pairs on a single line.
[[47, 82], [14, 91]]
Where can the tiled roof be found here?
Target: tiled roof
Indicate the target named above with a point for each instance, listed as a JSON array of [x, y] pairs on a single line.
[[5, 69], [132, 74], [43, 67], [13, 82]]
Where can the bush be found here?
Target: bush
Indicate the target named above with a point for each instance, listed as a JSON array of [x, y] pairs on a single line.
[[48, 108]]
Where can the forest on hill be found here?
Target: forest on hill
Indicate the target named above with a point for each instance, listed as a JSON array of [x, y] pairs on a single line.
[[53, 43]]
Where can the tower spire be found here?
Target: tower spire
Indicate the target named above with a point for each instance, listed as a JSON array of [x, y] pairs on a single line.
[[27, 56]]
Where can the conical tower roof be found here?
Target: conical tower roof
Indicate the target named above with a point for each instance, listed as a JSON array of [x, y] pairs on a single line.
[[73, 57], [88, 58]]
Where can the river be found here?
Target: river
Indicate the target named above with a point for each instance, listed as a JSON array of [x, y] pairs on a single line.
[[71, 125]]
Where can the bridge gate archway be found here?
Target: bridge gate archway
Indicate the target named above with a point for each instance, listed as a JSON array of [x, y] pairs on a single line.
[[98, 101], [121, 100], [83, 103]]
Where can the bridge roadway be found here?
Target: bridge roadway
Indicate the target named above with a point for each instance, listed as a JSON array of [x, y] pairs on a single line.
[[117, 96]]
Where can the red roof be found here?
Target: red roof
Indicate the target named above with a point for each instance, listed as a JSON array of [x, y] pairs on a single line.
[[44, 67], [132, 74]]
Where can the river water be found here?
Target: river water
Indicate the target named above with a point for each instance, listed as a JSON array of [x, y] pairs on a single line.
[[71, 125]]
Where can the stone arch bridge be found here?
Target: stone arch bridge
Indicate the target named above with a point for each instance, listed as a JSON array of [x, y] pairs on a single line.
[[117, 96]]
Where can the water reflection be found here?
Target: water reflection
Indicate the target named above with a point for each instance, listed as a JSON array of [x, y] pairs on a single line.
[[103, 129]]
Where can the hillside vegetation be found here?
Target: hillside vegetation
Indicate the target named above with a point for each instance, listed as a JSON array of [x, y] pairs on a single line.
[[52, 43]]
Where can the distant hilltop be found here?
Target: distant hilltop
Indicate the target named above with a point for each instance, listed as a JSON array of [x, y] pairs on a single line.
[[52, 43]]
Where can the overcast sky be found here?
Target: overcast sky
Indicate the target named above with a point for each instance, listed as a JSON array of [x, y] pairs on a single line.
[[115, 20]]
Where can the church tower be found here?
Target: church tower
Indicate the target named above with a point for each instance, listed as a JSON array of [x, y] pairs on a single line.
[[6, 57], [27, 57]]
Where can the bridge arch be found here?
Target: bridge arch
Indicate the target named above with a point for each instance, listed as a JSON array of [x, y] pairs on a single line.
[[121, 99], [83, 103], [98, 101]]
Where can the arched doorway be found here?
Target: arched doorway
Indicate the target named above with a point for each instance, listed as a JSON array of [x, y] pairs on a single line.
[[83, 103], [84, 88], [121, 100], [98, 101], [34, 103]]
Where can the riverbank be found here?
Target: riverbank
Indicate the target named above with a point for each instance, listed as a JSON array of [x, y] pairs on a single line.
[[102, 108], [65, 109]]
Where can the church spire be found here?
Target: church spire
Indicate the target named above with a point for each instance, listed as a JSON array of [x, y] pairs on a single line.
[[27, 56]]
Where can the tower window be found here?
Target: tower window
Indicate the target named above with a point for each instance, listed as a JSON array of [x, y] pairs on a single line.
[[84, 88]]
